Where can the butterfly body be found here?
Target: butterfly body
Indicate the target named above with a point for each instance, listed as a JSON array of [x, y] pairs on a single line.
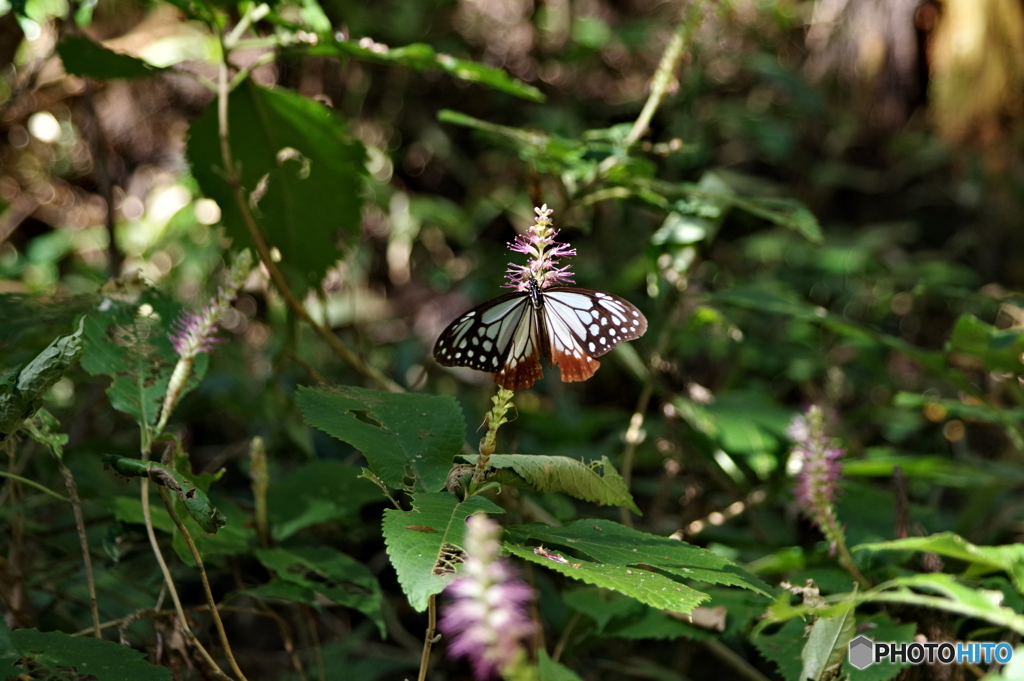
[[568, 326]]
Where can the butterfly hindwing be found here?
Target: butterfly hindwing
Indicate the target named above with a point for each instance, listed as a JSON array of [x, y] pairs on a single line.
[[583, 324]]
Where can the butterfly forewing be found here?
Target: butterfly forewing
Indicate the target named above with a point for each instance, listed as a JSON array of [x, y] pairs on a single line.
[[481, 338], [508, 335]]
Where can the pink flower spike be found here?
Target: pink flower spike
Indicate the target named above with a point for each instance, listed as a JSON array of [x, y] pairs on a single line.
[[486, 619], [544, 252]]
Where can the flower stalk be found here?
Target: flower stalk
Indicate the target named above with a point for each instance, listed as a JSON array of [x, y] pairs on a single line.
[[495, 419], [194, 333], [545, 255], [817, 482]]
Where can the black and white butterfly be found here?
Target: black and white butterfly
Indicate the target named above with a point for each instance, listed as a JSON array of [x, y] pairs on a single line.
[[568, 326]]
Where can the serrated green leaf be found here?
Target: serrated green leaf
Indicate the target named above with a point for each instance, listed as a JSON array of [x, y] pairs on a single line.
[[568, 476], [330, 573], [10, 653], [617, 545], [783, 647], [318, 492], [102, 660], [424, 543], [549, 670], [422, 57], [826, 646], [399, 433], [1009, 558], [300, 169], [620, 617], [645, 586], [83, 57]]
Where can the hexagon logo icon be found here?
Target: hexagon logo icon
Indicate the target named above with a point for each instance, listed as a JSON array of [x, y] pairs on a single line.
[[862, 652]]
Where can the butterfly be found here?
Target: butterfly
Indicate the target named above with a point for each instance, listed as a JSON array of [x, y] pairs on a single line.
[[568, 326]]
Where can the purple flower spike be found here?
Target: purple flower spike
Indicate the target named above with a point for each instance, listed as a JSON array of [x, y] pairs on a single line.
[[817, 483], [539, 243], [192, 333], [487, 619]]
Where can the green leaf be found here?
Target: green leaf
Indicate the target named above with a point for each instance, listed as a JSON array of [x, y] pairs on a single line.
[[549, 670], [83, 57], [617, 545], [21, 392], [425, 543], [651, 588], [87, 656], [827, 645], [327, 572], [320, 491], [999, 349], [783, 647], [194, 499], [399, 434], [569, 476], [983, 559], [126, 339], [620, 617], [10, 653], [300, 170], [422, 57]]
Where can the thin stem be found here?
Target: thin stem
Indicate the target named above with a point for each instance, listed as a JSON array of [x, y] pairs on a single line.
[[101, 158], [664, 75], [263, 248], [169, 581], [36, 485], [217, 622], [738, 664], [563, 640], [76, 507], [634, 434], [431, 637]]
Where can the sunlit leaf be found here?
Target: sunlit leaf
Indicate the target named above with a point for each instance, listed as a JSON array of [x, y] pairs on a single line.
[[426, 561]]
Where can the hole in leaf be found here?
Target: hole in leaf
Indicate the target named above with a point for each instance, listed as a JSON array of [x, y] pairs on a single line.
[[364, 416]]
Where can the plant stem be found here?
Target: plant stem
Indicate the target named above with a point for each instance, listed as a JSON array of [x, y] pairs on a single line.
[[76, 507], [431, 637], [495, 418], [217, 622], [263, 248], [33, 483], [664, 75]]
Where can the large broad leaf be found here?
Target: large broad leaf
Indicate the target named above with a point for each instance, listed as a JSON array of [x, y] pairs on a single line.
[[425, 544], [619, 546], [83, 57], [318, 492], [300, 170], [399, 434], [982, 559], [126, 339], [73, 657], [620, 617], [22, 390], [568, 476], [304, 572]]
